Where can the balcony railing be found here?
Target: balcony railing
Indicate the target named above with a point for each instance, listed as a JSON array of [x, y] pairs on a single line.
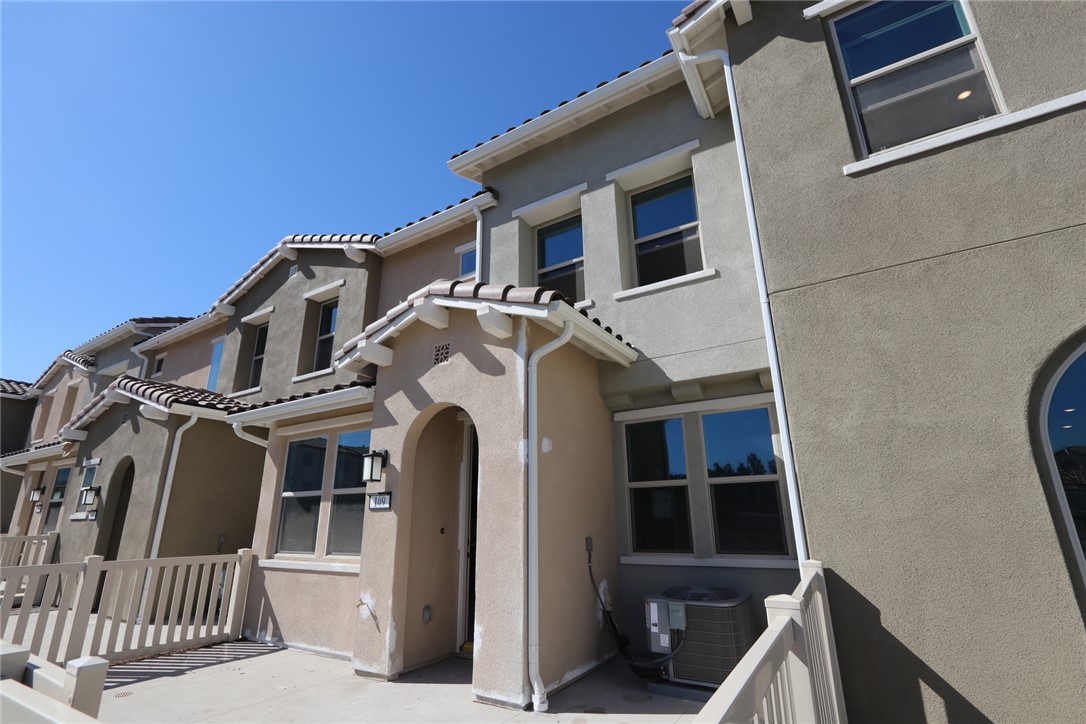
[[790, 675], [27, 550]]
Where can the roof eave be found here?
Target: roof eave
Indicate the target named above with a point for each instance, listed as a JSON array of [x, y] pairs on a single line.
[[189, 328], [265, 416], [565, 119], [434, 225]]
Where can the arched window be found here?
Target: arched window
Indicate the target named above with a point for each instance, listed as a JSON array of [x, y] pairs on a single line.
[[1064, 433]]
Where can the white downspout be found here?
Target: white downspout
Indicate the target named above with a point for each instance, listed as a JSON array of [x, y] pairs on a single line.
[[539, 690], [478, 243], [170, 468], [238, 428], [763, 292]]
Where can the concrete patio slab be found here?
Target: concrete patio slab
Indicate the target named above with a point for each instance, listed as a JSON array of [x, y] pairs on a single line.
[[249, 682]]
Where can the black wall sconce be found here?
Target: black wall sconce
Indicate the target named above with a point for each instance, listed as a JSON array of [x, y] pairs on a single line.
[[88, 495], [373, 465]]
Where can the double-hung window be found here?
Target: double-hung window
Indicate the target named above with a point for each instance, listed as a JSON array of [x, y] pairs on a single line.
[[560, 257], [216, 362], [665, 225], [466, 254], [323, 495], [260, 343], [744, 485], [326, 332], [657, 485], [913, 68], [56, 499]]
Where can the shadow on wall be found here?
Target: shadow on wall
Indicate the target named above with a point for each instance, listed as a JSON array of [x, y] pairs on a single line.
[[267, 625], [880, 676]]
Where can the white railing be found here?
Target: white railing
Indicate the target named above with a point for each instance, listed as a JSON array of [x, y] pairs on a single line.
[[27, 550], [790, 675], [36, 690], [126, 609]]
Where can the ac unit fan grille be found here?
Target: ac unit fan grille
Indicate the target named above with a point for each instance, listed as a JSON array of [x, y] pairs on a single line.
[[716, 638]]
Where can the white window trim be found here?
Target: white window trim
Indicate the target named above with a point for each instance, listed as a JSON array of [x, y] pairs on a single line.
[[562, 265], [554, 206], [155, 370], [213, 384], [650, 171], [252, 362], [648, 559], [287, 564], [635, 241], [314, 374], [325, 293], [964, 133], [629, 485], [244, 393], [260, 317], [721, 404], [472, 245]]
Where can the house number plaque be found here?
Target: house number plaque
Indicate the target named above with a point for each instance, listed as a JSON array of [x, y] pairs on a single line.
[[380, 501]]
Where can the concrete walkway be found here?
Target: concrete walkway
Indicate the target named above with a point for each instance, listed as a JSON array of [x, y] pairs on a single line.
[[248, 682]]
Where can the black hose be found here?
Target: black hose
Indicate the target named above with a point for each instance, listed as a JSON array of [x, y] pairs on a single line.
[[645, 668]]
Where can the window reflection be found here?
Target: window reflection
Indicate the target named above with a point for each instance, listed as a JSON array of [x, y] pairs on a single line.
[[1067, 434]]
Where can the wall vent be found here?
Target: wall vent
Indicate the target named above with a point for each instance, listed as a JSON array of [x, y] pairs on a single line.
[[124, 417], [441, 353], [293, 271]]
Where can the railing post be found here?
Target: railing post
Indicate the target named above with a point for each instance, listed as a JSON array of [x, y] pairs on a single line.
[[240, 593], [50, 547], [811, 570], [92, 571], [798, 668], [84, 680]]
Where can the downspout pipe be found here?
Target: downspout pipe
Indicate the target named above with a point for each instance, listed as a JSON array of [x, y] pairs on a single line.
[[478, 243], [171, 467], [239, 430], [539, 689], [763, 293]]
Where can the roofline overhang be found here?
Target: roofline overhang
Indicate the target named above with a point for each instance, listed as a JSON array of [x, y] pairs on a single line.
[[327, 402], [31, 456], [587, 335], [115, 335], [685, 37], [30, 394], [434, 225], [189, 328], [565, 119]]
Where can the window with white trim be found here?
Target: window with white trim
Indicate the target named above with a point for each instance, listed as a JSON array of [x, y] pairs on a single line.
[[156, 369], [913, 69], [260, 343], [216, 362], [658, 491], [326, 332], [665, 229], [466, 255], [560, 257], [323, 497], [56, 499]]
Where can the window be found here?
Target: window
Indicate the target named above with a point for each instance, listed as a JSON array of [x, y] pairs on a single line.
[[326, 330], [156, 370], [656, 477], [744, 486], [216, 360], [665, 224], [259, 345], [56, 499], [913, 69], [466, 254], [1065, 438], [323, 498], [560, 258]]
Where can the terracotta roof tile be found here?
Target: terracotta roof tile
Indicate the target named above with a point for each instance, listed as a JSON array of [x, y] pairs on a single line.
[[15, 387], [42, 446], [168, 394], [86, 361], [542, 113], [330, 239]]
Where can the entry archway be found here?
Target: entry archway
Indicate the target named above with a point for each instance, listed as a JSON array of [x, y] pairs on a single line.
[[117, 496]]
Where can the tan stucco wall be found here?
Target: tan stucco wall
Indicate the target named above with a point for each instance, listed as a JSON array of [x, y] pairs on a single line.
[[575, 500], [484, 376], [415, 267], [215, 488], [311, 610], [187, 360], [915, 307]]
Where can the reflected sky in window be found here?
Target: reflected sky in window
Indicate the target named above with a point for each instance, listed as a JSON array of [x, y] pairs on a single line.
[[1067, 413], [739, 443]]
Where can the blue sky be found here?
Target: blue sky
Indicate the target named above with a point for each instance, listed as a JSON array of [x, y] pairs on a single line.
[[151, 152]]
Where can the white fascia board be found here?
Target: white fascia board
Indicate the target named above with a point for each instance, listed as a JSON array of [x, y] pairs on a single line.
[[593, 335], [258, 317], [67, 433], [253, 276], [437, 224], [201, 412], [193, 326], [106, 339], [30, 456], [826, 7], [310, 405], [340, 246], [518, 141]]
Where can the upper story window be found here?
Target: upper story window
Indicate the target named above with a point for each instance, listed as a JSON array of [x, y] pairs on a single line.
[[665, 227], [156, 369], [560, 257], [466, 254], [216, 362], [259, 345], [914, 68], [56, 499], [326, 331]]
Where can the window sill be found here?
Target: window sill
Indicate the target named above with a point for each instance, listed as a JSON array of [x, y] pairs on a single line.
[[311, 566], [244, 393], [720, 562], [667, 284], [584, 304], [313, 375], [964, 133]]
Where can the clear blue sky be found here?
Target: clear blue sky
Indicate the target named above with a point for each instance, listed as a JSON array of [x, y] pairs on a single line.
[[151, 152]]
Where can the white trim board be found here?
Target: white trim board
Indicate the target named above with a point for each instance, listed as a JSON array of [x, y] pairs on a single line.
[[723, 562], [664, 164], [722, 404], [551, 207]]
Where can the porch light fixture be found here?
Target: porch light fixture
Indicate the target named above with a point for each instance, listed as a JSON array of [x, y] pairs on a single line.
[[92, 514], [35, 494], [373, 464], [87, 496]]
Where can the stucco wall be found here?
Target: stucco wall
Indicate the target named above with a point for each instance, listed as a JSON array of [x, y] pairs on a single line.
[[215, 488], [914, 308], [728, 338], [15, 418], [417, 266], [187, 360]]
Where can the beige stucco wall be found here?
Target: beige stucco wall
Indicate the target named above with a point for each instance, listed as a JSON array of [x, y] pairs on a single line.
[[188, 359], [415, 267], [915, 308]]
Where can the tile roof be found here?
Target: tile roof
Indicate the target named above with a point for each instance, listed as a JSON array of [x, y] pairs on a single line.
[[137, 321], [469, 290], [314, 393], [477, 194], [42, 446], [168, 394], [84, 361], [544, 112], [688, 12], [15, 387]]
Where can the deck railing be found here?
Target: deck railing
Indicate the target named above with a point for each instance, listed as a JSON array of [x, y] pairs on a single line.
[[27, 550], [790, 675], [126, 609]]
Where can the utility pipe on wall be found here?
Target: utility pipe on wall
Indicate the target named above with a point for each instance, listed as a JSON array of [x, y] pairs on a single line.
[[239, 430], [763, 293], [170, 468], [478, 243], [539, 689]]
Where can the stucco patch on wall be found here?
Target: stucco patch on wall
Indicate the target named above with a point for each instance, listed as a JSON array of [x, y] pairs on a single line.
[[547, 445]]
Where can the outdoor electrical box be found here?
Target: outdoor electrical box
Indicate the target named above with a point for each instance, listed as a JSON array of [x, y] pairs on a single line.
[[709, 630]]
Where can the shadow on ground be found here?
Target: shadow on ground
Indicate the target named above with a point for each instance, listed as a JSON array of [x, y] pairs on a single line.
[[183, 662]]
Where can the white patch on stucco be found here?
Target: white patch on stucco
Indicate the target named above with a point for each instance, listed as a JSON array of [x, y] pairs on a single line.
[[390, 638], [547, 445], [605, 596], [365, 605], [477, 640], [522, 450]]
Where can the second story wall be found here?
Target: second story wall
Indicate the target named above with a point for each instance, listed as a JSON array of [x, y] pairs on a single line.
[[413, 268], [186, 361]]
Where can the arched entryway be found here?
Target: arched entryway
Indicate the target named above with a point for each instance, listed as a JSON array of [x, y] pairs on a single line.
[[117, 496], [443, 475]]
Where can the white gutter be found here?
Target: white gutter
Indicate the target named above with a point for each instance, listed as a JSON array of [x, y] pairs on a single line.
[[432, 226], [171, 467], [478, 243], [239, 430], [539, 689], [763, 293], [306, 405]]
